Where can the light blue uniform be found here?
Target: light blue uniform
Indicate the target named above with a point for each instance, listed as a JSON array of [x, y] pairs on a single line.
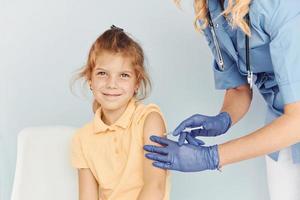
[[274, 53]]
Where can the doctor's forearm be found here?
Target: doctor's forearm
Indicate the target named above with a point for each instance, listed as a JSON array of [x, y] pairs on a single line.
[[237, 102], [281, 133]]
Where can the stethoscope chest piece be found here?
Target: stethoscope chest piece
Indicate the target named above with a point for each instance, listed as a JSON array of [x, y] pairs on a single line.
[[250, 79]]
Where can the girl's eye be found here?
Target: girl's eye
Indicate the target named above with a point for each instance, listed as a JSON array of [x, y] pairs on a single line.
[[124, 75], [101, 73]]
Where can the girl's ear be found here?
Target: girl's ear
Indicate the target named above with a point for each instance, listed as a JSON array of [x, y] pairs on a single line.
[[137, 86], [138, 83], [90, 84]]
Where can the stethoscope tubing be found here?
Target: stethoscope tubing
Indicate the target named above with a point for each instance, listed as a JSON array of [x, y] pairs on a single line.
[[220, 59]]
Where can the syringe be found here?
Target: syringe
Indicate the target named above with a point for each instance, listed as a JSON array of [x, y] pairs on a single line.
[[187, 129]]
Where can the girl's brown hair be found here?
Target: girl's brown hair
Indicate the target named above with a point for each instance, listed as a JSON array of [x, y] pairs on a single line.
[[116, 41], [238, 9]]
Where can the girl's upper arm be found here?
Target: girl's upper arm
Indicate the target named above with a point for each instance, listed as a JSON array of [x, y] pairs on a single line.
[[88, 186], [154, 125]]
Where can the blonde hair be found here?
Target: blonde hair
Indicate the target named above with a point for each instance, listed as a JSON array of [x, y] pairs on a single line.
[[116, 41], [237, 10]]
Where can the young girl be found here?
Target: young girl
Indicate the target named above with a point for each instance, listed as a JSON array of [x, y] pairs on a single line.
[[108, 151]]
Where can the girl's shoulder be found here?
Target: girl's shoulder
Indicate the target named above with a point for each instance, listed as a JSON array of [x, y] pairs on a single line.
[[143, 110], [84, 131]]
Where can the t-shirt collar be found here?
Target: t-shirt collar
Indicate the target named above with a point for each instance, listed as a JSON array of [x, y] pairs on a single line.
[[122, 122]]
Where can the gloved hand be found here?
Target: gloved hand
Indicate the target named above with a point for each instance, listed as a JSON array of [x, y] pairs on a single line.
[[212, 126], [185, 158]]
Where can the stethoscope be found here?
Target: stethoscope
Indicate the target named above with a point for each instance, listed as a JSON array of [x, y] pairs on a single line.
[[219, 53]]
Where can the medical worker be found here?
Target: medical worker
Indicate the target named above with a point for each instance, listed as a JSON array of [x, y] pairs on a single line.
[[254, 44]]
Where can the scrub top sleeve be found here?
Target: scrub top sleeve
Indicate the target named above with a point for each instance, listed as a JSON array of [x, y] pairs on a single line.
[[285, 54], [230, 77]]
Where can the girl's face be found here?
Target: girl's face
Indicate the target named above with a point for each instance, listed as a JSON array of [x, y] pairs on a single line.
[[113, 81]]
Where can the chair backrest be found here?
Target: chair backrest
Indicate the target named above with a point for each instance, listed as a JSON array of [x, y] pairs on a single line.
[[43, 169]]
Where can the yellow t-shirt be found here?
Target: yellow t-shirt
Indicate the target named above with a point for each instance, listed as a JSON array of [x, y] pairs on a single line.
[[115, 153]]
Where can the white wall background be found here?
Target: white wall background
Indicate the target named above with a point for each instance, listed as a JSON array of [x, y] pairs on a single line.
[[43, 41]]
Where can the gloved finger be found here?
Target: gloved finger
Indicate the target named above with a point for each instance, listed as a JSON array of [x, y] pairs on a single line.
[[191, 140], [161, 140], [200, 132], [182, 138], [155, 149], [162, 165], [200, 142], [157, 157], [186, 123], [194, 141]]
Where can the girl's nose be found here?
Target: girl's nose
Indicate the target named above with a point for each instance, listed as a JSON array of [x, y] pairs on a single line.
[[111, 82]]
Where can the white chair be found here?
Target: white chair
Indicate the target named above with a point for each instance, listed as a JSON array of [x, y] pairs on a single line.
[[43, 169]]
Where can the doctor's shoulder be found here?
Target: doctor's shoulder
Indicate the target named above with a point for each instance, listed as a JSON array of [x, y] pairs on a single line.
[[273, 14]]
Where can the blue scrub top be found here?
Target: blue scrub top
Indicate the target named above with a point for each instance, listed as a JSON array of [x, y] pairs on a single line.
[[274, 53]]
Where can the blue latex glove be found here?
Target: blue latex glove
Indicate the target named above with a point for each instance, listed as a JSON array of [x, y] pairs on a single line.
[[212, 126], [185, 158]]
